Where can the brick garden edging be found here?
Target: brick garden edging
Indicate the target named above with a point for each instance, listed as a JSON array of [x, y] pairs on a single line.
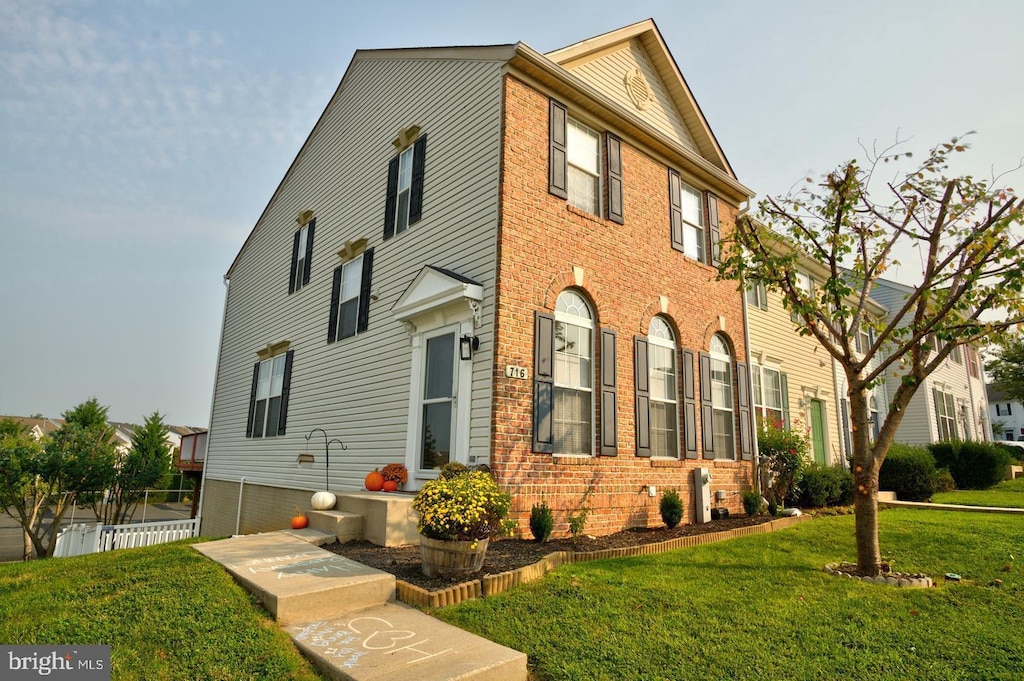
[[490, 585]]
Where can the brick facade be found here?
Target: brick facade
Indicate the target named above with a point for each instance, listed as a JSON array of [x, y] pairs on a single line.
[[626, 270]]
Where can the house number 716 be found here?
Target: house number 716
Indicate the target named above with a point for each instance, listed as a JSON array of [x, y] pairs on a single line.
[[517, 372]]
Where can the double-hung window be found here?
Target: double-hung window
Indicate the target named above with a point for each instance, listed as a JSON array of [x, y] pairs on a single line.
[[769, 396], [579, 170], [804, 287], [972, 361], [664, 390], [757, 295], [722, 399], [693, 220], [302, 254], [403, 206], [574, 375], [268, 399], [945, 414], [565, 400], [350, 297]]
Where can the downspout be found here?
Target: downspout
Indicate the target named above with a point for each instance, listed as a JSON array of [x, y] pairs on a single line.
[[750, 375], [213, 397], [238, 513], [844, 459], [974, 422]]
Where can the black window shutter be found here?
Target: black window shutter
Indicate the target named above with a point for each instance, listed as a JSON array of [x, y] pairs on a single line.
[[252, 399], [419, 160], [391, 203], [641, 379], [707, 411], [309, 252], [784, 381], [743, 395], [615, 213], [332, 324], [675, 209], [609, 403], [363, 316], [295, 262], [543, 383], [557, 182], [689, 406], [286, 388], [714, 233]]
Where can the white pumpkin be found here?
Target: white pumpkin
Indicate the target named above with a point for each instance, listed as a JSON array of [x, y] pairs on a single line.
[[323, 501]]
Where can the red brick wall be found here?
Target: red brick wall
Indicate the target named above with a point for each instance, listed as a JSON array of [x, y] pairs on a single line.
[[626, 269]]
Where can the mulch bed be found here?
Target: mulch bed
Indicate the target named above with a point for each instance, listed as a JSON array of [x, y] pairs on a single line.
[[510, 554]]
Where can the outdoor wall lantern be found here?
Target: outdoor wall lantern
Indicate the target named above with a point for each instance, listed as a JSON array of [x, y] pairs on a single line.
[[467, 344]]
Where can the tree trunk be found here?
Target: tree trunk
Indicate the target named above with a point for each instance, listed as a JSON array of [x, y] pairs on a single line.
[[27, 551], [865, 484], [869, 556]]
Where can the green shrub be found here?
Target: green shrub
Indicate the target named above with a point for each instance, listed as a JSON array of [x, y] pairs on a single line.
[[753, 502], [671, 508], [782, 453], [578, 519], [542, 521], [908, 470], [944, 481], [822, 486], [1016, 453], [973, 465]]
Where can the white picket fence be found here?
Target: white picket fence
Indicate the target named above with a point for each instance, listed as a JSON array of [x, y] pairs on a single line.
[[77, 540]]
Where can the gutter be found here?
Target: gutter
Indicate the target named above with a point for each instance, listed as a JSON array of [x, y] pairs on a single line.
[[528, 57]]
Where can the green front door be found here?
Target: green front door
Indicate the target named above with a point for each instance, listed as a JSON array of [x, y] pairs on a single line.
[[818, 430]]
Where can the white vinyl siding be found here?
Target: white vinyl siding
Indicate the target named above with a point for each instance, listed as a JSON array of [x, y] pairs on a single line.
[[606, 73], [343, 170]]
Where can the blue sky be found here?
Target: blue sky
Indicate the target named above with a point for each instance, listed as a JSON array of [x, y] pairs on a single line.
[[140, 141]]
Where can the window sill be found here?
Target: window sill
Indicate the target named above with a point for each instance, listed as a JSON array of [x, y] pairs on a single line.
[[665, 462], [584, 214], [573, 459], [695, 261]]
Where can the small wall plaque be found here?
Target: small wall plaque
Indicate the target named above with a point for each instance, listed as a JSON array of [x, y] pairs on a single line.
[[521, 373]]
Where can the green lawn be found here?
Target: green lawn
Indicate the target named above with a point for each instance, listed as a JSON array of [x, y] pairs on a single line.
[[1007, 494], [762, 608], [167, 612]]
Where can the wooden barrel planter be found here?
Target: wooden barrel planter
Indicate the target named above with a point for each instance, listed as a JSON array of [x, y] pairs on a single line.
[[441, 558]]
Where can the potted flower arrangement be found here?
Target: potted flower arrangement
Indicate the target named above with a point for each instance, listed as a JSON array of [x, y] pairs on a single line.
[[395, 475], [458, 515]]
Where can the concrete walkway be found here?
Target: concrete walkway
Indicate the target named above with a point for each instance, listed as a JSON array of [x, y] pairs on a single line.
[[950, 507], [341, 614]]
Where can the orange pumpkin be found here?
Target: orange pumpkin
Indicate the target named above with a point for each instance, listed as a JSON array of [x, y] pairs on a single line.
[[300, 521], [374, 481], [390, 486]]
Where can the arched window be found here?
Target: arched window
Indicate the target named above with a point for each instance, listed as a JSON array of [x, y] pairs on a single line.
[[722, 399], [664, 391], [573, 412]]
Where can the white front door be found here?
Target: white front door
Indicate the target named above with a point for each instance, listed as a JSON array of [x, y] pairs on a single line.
[[438, 419]]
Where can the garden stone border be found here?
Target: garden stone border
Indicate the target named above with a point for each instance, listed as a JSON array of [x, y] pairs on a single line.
[[489, 585], [897, 579]]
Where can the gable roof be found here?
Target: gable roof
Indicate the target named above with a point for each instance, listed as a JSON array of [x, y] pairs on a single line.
[[647, 36]]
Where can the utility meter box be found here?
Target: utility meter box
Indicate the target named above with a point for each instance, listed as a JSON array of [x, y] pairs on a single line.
[[702, 492]]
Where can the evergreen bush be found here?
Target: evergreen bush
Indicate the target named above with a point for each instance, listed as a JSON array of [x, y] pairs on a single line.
[[671, 508], [908, 470]]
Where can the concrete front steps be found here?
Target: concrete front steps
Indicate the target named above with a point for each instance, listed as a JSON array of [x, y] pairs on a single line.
[[341, 614], [384, 518]]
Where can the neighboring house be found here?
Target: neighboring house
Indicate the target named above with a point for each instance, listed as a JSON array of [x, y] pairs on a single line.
[[492, 256], [951, 404], [37, 427], [796, 382], [1006, 415]]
